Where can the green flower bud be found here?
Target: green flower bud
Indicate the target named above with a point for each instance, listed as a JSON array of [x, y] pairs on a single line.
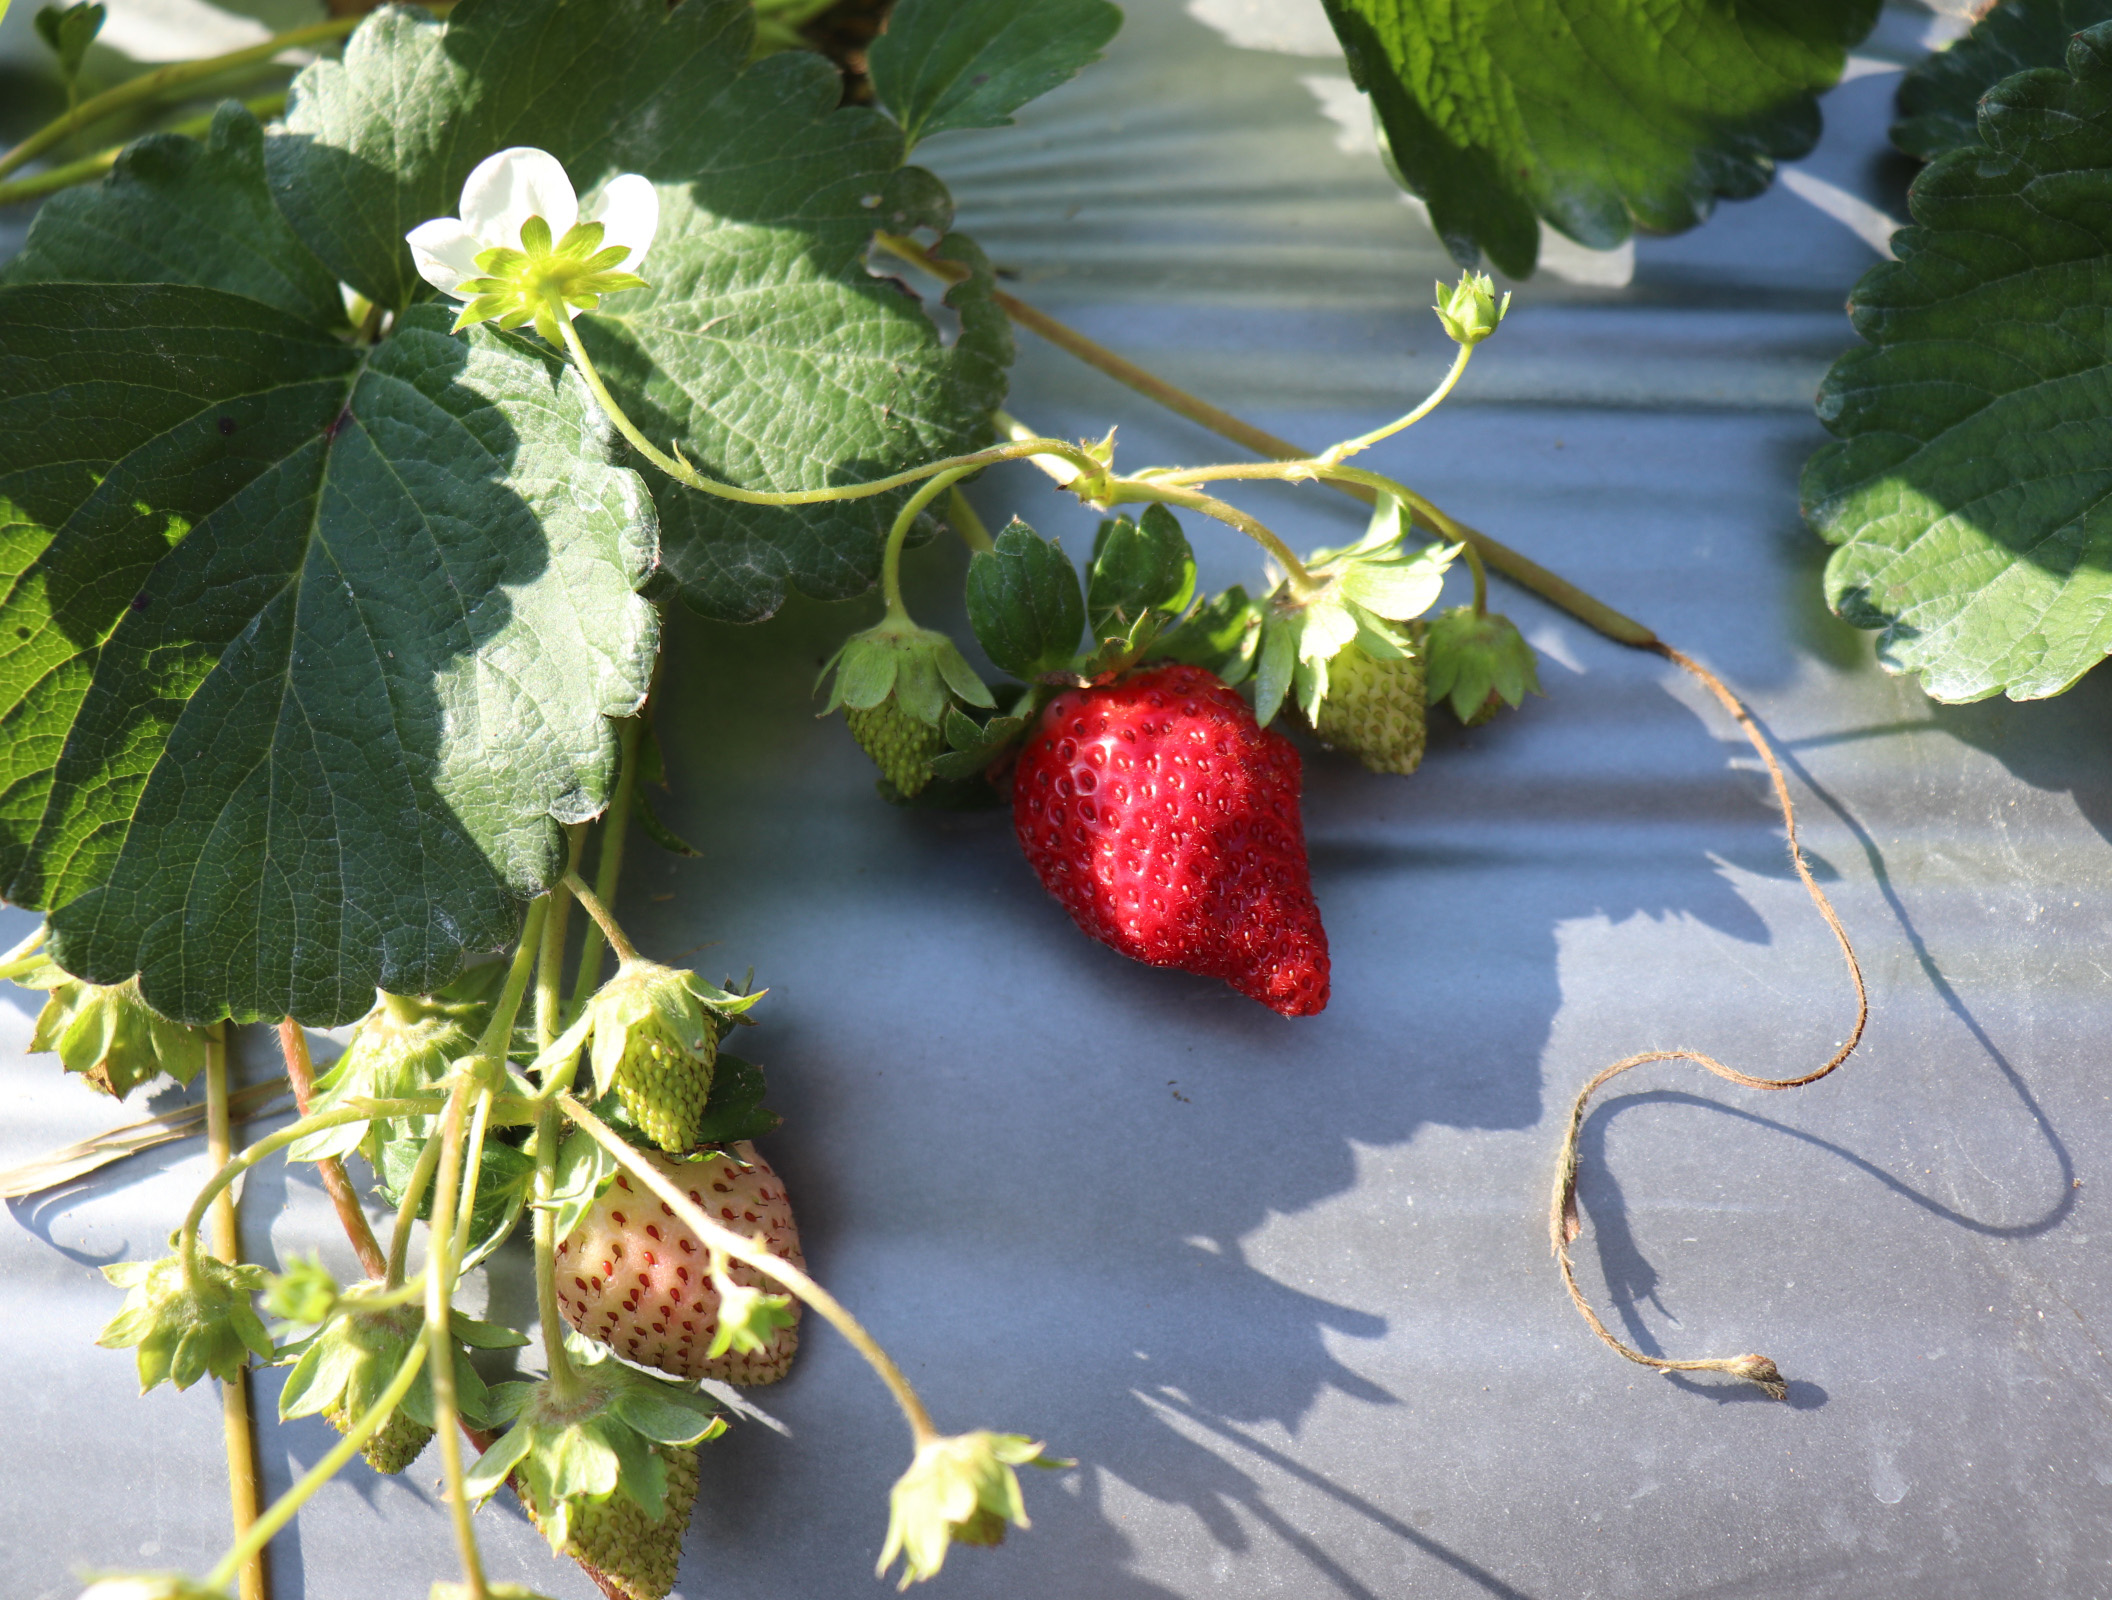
[[186, 1327], [108, 1034], [958, 1490], [1469, 309], [896, 683]]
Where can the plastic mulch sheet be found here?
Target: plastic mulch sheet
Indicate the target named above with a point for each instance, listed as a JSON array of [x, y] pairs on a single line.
[[1283, 1289]]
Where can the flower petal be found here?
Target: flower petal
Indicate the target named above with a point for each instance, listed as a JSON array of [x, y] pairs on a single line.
[[628, 210], [512, 186], [446, 253]]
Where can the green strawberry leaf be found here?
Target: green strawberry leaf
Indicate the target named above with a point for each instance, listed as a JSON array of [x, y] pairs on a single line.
[[584, 1170], [764, 347], [1966, 484], [656, 830], [1471, 659], [735, 1109], [174, 210], [945, 64], [306, 651], [1222, 637], [1939, 97], [1140, 570], [1024, 604], [1600, 118]]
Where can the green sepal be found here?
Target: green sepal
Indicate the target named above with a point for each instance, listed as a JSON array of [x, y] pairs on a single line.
[[584, 1170], [976, 745], [1141, 571], [1279, 658], [1025, 605], [182, 1329], [107, 1033], [1223, 637], [304, 1294], [959, 1490], [1473, 661]]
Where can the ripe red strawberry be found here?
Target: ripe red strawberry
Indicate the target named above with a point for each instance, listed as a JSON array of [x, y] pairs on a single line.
[[1166, 821], [634, 1278]]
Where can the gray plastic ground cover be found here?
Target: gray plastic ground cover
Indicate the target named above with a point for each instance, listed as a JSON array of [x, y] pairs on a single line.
[[1283, 1288]]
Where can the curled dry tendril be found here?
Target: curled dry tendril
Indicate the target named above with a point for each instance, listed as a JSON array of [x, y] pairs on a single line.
[[1564, 1224]]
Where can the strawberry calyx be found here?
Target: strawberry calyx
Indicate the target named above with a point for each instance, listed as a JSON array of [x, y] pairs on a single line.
[[1479, 664], [107, 1032], [963, 1489], [342, 1368], [187, 1318], [897, 683], [586, 1433], [403, 1047], [1362, 595]]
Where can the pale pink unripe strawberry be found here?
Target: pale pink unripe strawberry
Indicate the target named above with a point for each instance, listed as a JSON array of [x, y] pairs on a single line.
[[639, 1281]]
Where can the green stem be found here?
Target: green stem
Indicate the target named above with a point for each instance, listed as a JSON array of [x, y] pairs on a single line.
[[407, 1213], [177, 75], [449, 1227], [550, 960], [626, 952], [891, 560], [564, 1378], [1335, 455], [236, 1424], [961, 517], [439, 1303], [89, 168], [284, 1508], [716, 1236], [608, 867], [28, 947], [1522, 570], [682, 472], [233, 1168]]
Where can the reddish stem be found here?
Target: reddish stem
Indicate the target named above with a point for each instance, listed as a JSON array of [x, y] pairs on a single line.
[[300, 1071]]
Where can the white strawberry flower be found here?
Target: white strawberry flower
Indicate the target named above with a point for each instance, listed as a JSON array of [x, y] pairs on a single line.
[[522, 251]]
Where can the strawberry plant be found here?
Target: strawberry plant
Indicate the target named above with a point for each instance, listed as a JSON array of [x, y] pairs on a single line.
[[354, 443]]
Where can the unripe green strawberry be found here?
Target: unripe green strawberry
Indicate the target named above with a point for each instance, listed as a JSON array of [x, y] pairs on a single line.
[[896, 683], [399, 1441], [1375, 710], [627, 1552], [655, 1044], [901, 746]]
